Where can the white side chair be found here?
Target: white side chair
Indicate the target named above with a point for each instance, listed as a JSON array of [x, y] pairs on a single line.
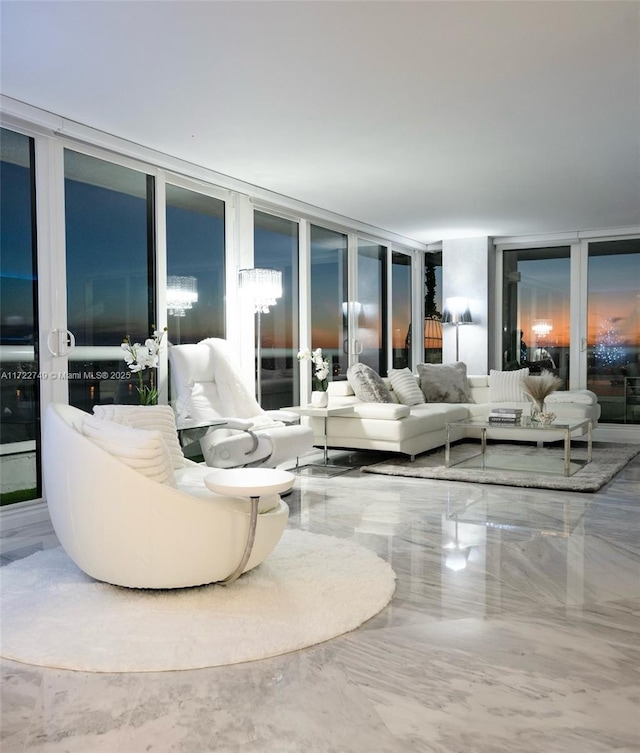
[[125, 528], [207, 387]]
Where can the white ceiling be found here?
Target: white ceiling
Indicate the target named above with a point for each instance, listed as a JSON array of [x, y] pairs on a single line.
[[430, 119]]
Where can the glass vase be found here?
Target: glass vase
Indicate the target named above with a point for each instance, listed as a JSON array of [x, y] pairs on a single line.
[[537, 411]]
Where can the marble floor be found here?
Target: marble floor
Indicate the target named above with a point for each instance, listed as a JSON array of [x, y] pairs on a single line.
[[515, 628]]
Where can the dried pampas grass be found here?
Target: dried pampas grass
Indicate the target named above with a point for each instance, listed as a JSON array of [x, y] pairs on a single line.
[[538, 387]]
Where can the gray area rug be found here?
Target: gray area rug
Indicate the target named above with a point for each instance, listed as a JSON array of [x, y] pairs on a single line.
[[517, 464]]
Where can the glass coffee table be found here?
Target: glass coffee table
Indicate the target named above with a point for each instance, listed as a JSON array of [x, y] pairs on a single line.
[[528, 431]]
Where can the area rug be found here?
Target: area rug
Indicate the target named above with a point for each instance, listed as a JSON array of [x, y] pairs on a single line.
[[312, 588], [517, 464]]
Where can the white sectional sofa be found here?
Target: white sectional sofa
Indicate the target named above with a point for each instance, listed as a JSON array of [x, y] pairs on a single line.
[[411, 430]]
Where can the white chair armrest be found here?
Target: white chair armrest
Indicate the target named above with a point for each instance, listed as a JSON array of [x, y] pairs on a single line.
[[287, 417]]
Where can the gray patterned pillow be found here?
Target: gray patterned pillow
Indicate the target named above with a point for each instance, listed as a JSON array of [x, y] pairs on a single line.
[[444, 382], [367, 385]]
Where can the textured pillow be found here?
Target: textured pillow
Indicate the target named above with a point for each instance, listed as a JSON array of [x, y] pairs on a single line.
[[444, 382], [506, 387], [152, 417], [140, 449], [367, 385], [406, 387]]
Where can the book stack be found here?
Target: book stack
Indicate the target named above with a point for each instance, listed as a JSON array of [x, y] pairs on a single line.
[[505, 416]]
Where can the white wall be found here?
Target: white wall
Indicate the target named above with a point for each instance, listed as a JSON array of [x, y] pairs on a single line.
[[467, 271]]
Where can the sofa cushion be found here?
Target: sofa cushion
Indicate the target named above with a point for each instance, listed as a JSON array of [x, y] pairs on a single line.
[[152, 417], [384, 411], [143, 450], [367, 385], [406, 387], [353, 426], [506, 386], [444, 382]]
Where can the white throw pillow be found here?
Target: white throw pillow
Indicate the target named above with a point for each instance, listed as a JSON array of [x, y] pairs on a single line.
[[406, 387], [151, 417], [141, 449], [506, 386]]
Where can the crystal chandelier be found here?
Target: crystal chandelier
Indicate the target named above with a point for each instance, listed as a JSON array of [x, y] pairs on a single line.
[[182, 293], [262, 286]]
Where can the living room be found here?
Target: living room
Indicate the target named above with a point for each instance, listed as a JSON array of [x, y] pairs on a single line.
[[349, 145]]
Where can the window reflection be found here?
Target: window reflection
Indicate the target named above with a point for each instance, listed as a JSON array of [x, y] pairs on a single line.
[[433, 308], [400, 310], [536, 315], [370, 319], [613, 328], [19, 385], [110, 256], [329, 290], [276, 247], [195, 265]]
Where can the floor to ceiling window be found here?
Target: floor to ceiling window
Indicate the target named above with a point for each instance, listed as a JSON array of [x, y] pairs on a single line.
[[433, 307], [400, 310], [195, 265], [370, 308], [19, 382], [276, 247], [536, 310], [329, 295], [613, 328], [110, 254]]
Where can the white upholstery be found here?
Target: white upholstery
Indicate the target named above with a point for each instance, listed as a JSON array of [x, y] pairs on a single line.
[[151, 417], [506, 386], [143, 450], [122, 527], [206, 386], [422, 427]]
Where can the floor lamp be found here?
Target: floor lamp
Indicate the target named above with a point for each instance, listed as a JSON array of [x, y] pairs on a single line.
[[262, 287], [456, 311]]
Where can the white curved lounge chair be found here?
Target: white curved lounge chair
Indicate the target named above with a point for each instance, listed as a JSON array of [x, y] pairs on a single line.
[[124, 528], [206, 387]]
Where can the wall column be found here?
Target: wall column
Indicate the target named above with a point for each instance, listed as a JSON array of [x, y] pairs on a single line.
[[468, 270]]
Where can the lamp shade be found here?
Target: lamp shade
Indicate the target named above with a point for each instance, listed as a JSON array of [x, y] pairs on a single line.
[[456, 311], [261, 286], [432, 332]]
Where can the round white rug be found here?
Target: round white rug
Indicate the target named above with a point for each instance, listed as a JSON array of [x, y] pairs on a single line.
[[312, 588]]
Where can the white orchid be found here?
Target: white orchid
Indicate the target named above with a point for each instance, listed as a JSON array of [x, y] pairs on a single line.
[[320, 366], [140, 357]]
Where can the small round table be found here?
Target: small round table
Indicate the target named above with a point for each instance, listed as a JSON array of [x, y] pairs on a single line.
[[252, 483]]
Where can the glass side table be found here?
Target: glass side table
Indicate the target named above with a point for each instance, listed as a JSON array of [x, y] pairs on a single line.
[[193, 432], [325, 414]]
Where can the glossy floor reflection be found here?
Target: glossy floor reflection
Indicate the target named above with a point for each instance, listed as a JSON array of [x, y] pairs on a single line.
[[515, 627]]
